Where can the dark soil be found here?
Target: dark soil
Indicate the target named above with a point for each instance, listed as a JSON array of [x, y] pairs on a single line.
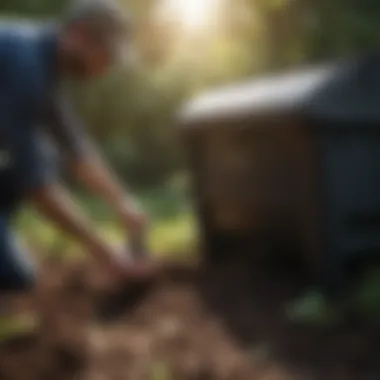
[[222, 323]]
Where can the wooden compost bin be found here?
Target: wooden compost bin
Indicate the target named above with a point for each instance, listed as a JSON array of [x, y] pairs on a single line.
[[260, 155]]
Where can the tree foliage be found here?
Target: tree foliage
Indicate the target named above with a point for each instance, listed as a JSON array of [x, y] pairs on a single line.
[[131, 113]]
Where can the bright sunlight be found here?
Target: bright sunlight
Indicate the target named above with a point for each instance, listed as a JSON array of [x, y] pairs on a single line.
[[192, 15]]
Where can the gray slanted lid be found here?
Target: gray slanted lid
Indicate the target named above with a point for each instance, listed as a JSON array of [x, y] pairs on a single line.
[[340, 91], [258, 96], [353, 96]]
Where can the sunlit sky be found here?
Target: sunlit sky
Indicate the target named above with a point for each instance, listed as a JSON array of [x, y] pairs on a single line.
[[192, 15]]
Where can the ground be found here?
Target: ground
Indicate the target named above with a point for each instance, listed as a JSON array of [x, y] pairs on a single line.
[[222, 323]]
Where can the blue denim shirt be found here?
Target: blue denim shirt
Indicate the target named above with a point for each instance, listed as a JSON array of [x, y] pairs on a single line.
[[30, 97]]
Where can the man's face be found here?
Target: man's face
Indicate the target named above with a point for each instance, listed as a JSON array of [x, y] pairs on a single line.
[[85, 55]]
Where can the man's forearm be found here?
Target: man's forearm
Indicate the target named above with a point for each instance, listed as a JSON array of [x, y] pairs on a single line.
[[55, 203], [92, 172]]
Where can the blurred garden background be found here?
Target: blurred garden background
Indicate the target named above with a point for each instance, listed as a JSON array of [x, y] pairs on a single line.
[[185, 47], [182, 48]]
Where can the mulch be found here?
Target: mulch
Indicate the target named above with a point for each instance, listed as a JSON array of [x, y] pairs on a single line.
[[220, 323]]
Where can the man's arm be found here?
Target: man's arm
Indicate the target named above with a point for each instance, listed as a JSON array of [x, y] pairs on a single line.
[[33, 174], [54, 202], [92, 171], [36, 178], [88, 166]]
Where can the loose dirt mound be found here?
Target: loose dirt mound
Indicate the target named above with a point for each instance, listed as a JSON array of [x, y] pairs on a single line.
[[225, 323]]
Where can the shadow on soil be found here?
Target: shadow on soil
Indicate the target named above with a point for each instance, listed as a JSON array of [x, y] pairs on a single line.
[[252, 307]]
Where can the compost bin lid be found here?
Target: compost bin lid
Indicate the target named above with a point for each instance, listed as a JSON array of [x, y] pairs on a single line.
[[342, 91]]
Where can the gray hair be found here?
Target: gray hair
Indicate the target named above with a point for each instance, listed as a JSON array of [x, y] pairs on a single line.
[[106, 18]]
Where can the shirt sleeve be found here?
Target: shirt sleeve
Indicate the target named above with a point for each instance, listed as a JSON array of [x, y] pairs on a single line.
[[20, 103], [32, 167], [66, 129]]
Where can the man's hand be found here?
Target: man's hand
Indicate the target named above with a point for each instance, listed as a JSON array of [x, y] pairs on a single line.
[[54, 202], [134, 220], [124, 268], [120, 266]]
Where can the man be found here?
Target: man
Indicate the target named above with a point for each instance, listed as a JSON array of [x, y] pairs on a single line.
[[92, 37]]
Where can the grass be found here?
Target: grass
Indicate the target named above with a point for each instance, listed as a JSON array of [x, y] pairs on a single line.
[[173, 228], [160, 371], [366, 297], [363, 298], [17, 326]]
